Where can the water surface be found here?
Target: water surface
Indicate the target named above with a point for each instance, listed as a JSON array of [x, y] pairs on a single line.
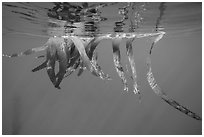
[[86, 104]]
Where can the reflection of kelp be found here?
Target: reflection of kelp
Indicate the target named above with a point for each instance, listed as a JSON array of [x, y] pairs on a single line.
[[162, 8], [58, 18], [74, 52]]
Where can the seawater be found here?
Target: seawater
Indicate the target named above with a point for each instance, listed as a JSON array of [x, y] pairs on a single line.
[[32, 106]]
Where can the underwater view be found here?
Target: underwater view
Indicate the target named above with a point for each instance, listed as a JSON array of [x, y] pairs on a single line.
[[93, 68]]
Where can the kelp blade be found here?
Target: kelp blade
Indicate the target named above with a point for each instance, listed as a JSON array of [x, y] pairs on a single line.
[[158, 91], [130, 55], [80, 46], [117, 62]]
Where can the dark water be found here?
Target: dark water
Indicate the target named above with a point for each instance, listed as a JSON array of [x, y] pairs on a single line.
[[86, 104]]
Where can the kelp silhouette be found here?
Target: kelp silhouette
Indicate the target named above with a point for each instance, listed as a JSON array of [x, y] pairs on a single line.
[[74, 52]]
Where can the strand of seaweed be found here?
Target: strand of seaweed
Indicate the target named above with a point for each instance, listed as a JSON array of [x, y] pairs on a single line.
[[129, 49], [73, 51], [67, 50], [151, 80], [158, 91], [125, 11], [115, 46], [117, 62]]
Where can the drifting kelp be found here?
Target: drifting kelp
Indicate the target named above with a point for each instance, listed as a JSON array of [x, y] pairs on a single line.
[[81, 68], [92, 54], [102, 75], [158, 91], [72, 68], [93, 67], [151, 80], [117, 62], [129, 52], [80, 47], [70, 58], [73, 50]]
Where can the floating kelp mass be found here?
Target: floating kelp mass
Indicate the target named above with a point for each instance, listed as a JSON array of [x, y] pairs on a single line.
[[73, 50]]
